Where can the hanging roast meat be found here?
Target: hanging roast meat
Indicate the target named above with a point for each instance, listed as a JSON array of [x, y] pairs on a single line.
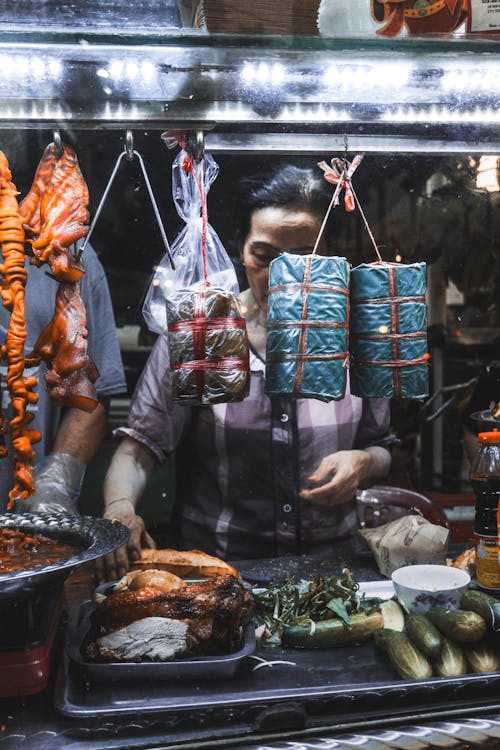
[[63, 346], [12, 289], [29, 208], [55, 213]]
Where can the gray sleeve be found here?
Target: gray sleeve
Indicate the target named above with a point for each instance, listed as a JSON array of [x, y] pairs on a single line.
[[154, 420], [103, 345]]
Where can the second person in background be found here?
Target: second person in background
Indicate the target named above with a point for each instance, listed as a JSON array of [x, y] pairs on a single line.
[[264, 476]]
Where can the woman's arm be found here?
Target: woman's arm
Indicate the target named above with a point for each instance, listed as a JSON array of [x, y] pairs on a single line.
[[124, 484]]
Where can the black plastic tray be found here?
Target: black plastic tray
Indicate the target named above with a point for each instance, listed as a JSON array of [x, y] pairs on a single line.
[[193, 668]]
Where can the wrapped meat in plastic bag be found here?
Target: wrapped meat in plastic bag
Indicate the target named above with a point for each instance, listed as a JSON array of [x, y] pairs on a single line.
[[388, 336], [196, 302], [307, 334], [208, 347]]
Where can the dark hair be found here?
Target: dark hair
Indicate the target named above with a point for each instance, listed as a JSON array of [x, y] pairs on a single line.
[[285, 185]]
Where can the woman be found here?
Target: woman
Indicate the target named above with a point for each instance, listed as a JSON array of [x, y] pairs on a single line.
[[264, 476]]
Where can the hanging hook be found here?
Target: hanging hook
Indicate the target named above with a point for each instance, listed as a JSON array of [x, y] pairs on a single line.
[[195, 144], [56, 137], [125, 153], [129, 145]]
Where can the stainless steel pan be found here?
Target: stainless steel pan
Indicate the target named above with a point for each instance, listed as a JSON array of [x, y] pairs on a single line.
[[94, 536]]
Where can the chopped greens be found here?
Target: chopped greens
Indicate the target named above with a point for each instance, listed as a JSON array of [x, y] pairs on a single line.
[[306, 602]]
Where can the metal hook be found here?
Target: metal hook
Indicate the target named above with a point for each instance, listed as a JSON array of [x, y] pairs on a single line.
[[195, 144], [56, 137], [346, 150], [129, 145], [129, 154]]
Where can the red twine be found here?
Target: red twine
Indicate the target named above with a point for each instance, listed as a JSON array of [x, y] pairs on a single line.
[[340, 173]]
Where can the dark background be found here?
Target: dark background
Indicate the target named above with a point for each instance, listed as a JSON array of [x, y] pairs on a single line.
[[404, 220]]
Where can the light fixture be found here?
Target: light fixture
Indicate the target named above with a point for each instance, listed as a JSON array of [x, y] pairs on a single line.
[[487, 173]]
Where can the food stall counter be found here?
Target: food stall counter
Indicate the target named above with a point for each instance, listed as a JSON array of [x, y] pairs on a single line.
[[338, 697]]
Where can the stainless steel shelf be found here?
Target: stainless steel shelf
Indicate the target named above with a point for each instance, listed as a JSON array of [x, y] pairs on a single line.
[[216, 82]]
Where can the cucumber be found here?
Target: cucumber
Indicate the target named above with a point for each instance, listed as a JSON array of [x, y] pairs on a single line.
[[460, 625], [451, 661], [482, 658], [405, 657], [424, 634], [334, 632], [484, 604]]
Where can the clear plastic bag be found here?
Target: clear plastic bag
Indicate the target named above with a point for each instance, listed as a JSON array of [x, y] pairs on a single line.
[[196, 302], [187, 251]]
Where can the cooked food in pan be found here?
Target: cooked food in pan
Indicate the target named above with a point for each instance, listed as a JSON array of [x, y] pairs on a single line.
[[21, 551]]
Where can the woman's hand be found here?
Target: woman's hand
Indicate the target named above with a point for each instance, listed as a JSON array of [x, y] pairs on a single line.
[[115, 565], [337, 478]]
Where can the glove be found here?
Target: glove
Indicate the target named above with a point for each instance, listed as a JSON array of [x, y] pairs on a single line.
[[58, 483]]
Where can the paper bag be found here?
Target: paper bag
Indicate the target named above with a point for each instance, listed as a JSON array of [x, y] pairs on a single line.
[[411, 540]]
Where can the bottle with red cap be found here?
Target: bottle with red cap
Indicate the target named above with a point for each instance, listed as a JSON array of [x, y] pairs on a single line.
[[485, 480]]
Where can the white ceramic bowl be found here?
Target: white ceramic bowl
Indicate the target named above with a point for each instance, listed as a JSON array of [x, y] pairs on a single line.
[[420, 587]]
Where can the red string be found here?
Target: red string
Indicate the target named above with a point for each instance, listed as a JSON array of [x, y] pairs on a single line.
[[189, 166]]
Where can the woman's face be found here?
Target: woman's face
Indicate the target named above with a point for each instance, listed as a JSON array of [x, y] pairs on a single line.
[[275, 230]]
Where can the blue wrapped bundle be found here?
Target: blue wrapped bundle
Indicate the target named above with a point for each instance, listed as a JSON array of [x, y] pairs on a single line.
[[307, 327], [388, 336]]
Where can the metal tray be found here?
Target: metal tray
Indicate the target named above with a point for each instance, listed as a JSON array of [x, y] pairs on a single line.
[[317, 685], [194, 668], [94, 536]]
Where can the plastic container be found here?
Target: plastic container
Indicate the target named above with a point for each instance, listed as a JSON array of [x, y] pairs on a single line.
[[485, 480]]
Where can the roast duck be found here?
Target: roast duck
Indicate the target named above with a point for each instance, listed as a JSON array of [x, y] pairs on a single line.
[[51, 218], [156, 615]]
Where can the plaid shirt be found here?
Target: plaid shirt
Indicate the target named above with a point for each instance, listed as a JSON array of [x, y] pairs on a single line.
[[239, 466]]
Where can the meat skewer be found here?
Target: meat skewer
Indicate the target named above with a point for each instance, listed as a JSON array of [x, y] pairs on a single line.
[[12, 291]]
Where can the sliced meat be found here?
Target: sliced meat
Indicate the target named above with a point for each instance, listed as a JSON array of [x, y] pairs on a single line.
[[153, 638]]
